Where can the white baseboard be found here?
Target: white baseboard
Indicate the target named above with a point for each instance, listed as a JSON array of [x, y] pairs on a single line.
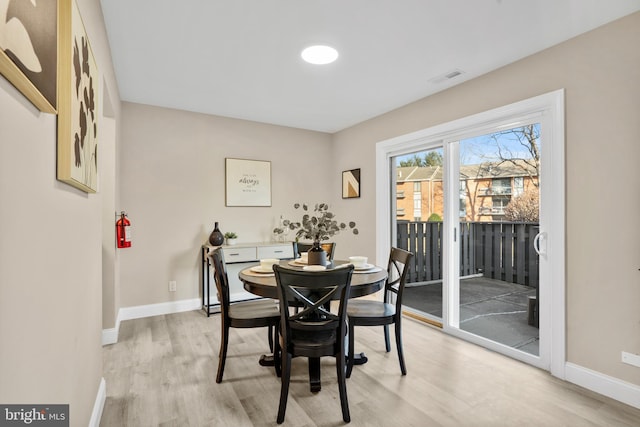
[[98, 406], [110, 336], [614, 388], [140, 311]]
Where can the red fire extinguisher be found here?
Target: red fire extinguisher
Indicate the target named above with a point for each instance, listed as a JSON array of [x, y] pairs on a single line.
[[123, 231]]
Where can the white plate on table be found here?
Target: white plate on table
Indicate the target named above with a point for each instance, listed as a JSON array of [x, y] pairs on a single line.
[[364, 267], [259, 269], [314, 268]]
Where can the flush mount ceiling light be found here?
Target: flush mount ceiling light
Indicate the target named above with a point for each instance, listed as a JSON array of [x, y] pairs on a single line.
[[319, 54]]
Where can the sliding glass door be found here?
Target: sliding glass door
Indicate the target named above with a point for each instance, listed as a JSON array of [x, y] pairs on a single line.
[[497, 223], [418, 226], [496, 219], [480, 203]]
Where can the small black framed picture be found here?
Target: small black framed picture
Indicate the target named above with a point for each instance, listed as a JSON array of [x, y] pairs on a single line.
[[351, 184]]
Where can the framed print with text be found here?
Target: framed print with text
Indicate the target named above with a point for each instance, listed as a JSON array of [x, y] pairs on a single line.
[[248, 182]]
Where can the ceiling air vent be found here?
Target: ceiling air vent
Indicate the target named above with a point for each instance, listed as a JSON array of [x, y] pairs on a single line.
[[446, 76]]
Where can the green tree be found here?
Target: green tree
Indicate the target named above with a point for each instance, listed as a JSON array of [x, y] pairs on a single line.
[[432, 158]]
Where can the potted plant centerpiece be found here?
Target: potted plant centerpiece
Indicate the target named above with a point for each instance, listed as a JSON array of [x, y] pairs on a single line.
[[317, 226]]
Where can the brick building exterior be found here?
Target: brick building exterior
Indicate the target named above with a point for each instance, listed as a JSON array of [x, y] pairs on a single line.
[[486, 189]]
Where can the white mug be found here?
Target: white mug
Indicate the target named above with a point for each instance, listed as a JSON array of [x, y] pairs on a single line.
[[358, 261], [267, 263]]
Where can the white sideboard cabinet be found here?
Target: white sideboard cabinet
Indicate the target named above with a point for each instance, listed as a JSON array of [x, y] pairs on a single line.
[[237, 258]]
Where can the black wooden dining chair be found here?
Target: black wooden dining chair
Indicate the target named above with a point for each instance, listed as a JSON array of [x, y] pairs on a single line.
[[314, 331], [364, 312], [329, 248], [242, 314]]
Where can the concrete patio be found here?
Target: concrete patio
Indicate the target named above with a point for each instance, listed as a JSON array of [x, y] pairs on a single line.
[[489, 308]]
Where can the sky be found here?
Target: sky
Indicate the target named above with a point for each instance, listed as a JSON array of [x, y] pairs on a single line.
[[483, 148]]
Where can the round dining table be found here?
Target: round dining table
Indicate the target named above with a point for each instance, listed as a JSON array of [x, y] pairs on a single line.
[[363, 282]]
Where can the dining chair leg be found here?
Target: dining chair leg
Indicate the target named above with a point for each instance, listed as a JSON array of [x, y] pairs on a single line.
[[277, 354], [350, 351], [284, 388], [270, 338], [403, 368], [387, 343], [342, 386], [222, 357]]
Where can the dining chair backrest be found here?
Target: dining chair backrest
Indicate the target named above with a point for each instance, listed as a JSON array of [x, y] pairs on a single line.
[[313, 292], [376, 313], [397, 270], [314, 330], [240, 314], [329, 248], [222, 280]]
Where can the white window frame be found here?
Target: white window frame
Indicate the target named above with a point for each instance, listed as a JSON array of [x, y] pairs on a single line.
[[550, 107]]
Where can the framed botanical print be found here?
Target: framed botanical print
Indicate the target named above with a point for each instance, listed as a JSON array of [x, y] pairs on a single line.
[[29, 49], [78, 98]]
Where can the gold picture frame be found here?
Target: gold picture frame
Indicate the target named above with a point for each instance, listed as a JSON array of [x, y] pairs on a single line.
[[28, 50], [78, 82]]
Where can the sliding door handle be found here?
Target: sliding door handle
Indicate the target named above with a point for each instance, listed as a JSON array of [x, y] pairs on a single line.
[[540, 243]]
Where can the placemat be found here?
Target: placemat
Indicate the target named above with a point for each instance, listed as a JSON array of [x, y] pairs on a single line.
[[370, 270], [248, 272]]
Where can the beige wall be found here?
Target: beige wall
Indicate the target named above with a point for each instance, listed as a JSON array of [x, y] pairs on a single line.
[[600, 72], [108, 193], [173, 173], [50, 254]]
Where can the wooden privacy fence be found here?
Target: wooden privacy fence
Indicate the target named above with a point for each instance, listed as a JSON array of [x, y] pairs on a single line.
[[497, 250]]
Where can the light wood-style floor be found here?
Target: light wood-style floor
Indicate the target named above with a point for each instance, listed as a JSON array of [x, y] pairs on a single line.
[[162, 372]]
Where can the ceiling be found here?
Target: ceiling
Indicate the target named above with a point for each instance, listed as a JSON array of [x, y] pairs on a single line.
[[241, 58]]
